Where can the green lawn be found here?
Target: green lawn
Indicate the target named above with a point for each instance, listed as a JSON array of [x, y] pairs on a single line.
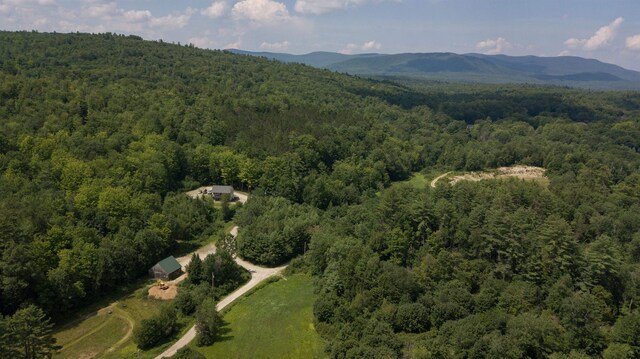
[[275, 321]]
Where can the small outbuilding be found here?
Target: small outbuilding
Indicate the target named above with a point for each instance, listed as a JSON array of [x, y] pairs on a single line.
[[168, 268], [217, 192]]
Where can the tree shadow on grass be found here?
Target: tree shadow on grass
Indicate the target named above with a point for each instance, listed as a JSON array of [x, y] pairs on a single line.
[[224, 332]]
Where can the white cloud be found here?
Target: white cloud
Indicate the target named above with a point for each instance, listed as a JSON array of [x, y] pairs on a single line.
[[367, 46], [565, 53], [234, 45], [633, 42], [201, 42], [137, 15], [170, 21], [318, 7], [93, 16], [349, 49], [261, 11], [216, 9], [574, 43], [29, 2], [494, 46], [100, 10], [371, 45], [601, 38], [275, 45]]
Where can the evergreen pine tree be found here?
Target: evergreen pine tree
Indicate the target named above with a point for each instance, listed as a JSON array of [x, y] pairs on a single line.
[[29, 333], [195, 269], [207, 322]]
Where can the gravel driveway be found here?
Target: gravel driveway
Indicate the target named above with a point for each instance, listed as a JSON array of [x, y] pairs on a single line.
[[258, 275]]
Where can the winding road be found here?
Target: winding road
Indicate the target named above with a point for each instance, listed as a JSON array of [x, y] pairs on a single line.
[[258, 275], [435, 180]]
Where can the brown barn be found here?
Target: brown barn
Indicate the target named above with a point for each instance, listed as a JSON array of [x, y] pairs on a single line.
[[168, 268]]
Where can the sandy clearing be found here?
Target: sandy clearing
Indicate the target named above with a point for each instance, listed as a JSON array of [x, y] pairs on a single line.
[[163, 294], [521, 172]]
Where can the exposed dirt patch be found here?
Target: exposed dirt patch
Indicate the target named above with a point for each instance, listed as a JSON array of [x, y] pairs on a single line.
[[166, 292], [522, 172]]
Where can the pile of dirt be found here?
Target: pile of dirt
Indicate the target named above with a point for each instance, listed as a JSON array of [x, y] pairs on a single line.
[[166, 292]]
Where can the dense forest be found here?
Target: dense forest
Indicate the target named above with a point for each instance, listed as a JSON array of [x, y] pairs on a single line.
[[101, 134]]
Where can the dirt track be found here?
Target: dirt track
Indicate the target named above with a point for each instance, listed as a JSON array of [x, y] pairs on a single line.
[[435, 180]]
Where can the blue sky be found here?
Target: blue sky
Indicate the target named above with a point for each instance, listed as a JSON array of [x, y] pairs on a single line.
[[608, 30]]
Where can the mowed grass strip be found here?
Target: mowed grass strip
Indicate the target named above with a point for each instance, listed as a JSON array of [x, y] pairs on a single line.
[[275, 321], [95, 342], [95, 335]]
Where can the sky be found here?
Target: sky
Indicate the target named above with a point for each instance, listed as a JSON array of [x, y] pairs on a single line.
[[608, 30]]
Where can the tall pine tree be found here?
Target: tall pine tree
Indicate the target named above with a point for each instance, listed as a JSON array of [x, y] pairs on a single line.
[[195, 269], [28, 334]]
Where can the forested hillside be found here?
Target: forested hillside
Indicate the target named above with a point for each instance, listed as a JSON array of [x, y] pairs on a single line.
[[101, 134]]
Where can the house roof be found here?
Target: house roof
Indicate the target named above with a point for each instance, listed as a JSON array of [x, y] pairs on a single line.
[[169, 264], [222, 189]]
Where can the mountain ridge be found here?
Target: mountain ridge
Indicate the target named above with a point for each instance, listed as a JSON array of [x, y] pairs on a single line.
[[569, 71]]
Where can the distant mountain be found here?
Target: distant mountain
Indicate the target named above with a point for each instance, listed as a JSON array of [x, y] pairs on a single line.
[[563, 70], [316, 59]]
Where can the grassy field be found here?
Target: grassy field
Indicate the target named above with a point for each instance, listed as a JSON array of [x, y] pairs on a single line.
[[417, 180], [275, 321], [92, 337], [108, 331]]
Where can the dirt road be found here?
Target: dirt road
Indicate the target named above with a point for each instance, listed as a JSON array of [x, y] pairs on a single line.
[[209, 248], [258, 274], [202, 253], [435, 180]]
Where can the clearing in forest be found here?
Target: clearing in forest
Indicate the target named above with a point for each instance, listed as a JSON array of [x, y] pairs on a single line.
[[107, 332], [275, 321], [529, 173]]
